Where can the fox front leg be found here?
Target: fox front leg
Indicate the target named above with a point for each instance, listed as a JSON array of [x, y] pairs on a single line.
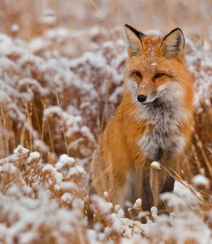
[[143, 188]]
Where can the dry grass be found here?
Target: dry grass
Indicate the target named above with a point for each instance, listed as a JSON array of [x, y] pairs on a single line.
[[56, 98], [35, 17]]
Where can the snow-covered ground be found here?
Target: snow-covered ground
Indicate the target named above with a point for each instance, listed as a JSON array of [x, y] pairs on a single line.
[[46, 203]]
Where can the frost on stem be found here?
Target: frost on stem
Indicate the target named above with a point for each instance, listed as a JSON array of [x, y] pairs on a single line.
[[155, 165]]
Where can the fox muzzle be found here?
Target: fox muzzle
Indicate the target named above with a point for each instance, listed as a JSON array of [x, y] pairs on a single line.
[[141, 98]]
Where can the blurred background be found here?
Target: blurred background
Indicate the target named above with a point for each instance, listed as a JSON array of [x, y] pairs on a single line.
[[31, 18]]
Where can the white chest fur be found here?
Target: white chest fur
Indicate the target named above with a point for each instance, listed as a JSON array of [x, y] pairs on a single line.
[[166, 113], [155, 142]]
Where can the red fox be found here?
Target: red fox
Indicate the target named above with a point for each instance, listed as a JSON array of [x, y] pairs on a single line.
[[152, 123]]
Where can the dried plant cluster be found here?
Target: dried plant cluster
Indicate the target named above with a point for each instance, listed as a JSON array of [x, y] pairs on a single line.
[[57, 92], [48, 203]]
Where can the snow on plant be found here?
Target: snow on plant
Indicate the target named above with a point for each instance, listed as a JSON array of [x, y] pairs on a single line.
[[63, 103], [55, 97], [52, 89], [40, 203]]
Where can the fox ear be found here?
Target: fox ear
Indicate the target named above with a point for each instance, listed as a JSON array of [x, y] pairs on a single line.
[[173, 44], [134, 40]]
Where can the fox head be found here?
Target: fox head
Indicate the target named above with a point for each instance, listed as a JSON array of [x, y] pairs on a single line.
[[155, 70]]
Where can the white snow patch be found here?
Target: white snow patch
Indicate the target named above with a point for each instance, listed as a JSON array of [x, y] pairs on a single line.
[[103, 206], [77, 170], [33, 156], [185, 193], [65, 160], [58, 175], [14, 28], [67, 197], [201, 180], [20, 151], [155, 165]]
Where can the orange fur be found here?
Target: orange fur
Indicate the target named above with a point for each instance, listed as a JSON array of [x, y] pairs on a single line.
[[119, 159]]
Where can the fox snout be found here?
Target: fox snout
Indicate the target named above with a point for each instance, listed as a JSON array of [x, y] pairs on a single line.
[[141, 98], [146, 99]]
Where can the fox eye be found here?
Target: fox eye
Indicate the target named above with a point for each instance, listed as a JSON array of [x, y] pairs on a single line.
[[159, 75], [138, 74]]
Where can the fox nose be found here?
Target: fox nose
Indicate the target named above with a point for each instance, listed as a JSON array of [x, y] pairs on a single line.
[[141, 98]]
